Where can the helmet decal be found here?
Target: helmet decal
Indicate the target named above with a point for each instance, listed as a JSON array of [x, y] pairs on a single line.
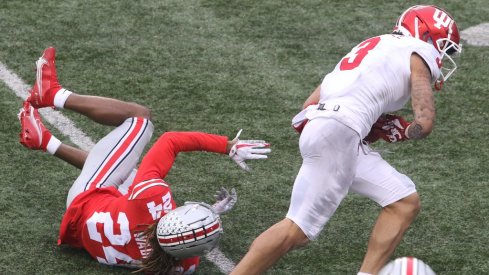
[[441, 19], [189, 230]]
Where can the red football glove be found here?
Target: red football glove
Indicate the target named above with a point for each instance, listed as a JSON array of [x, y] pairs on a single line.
[[391, 128], [373, 135]]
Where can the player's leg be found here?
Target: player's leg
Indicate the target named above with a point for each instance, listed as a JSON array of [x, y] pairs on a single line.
[[112, 160], [270, 246], [396, 193], [388, 231], [107, 111], [115, 156], [329, 150], [47, 92], [71, 155], [34, 135]]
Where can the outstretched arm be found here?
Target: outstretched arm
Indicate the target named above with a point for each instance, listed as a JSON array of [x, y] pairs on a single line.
[[160, 158]]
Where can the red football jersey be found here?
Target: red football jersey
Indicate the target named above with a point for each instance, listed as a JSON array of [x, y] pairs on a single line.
[[110, 225]]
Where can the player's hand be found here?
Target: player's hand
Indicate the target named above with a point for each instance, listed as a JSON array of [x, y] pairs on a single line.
[[373, 135], [391, 128], [225, 200], [243, 150]]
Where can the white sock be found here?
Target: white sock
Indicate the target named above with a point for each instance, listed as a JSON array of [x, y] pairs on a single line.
[[53, 145], [60, 98], [363, 273]]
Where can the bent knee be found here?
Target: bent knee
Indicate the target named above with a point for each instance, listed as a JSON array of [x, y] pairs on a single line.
[[410, 205], [138, 110], [294, 237], [281, 237], [413, 202]]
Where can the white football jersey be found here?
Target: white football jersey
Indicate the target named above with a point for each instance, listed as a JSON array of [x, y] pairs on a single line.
[[372, 79]]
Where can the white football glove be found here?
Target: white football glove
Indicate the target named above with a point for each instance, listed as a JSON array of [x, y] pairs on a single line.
[[224, 200], [244, 150]]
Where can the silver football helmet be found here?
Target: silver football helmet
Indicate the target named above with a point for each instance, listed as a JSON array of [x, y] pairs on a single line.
[[189, 230]]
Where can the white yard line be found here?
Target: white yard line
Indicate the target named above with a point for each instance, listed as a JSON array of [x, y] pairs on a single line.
[[476, 35], [68, 128], [224, 264], [55, 118]]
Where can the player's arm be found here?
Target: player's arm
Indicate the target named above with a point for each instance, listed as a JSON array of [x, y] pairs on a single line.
[[422, 99], [299, 121], [393, 128], [160, 158], [313, 98]]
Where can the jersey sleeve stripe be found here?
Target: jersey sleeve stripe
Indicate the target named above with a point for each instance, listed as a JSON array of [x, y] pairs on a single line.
[[140, 187]]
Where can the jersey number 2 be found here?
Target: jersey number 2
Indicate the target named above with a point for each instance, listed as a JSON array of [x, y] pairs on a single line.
[[111, 254], [357, 54]]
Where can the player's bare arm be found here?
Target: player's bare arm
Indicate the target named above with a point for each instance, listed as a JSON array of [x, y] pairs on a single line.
[[313, 98], [422, 99]]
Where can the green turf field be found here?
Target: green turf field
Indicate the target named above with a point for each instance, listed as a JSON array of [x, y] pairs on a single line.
[[218, 66]]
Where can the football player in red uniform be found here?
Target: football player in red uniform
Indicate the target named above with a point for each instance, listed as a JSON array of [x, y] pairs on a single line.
[[113, 208]]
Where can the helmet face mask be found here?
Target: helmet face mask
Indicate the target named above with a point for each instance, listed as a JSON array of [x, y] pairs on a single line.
[[435, 26], [189, 230], [449, 53]]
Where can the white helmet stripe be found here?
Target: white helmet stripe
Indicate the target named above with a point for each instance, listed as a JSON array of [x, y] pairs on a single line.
[[416, 27]]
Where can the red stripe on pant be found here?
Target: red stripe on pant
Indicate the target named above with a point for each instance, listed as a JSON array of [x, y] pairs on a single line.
[[410, 266], [117, 155]]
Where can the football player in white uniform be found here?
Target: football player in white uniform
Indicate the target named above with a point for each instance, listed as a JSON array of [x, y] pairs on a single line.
[[379, 75]]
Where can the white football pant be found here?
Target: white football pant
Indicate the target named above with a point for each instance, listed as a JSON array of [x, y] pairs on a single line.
[[112, 161], [334, 163]]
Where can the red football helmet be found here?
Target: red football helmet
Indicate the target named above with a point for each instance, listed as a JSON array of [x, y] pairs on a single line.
[[433, 25]]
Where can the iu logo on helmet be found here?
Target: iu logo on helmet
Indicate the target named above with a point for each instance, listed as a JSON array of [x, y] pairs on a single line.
[[441, 19]]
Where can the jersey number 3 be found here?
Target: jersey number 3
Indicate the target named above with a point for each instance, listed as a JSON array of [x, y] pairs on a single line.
[[357, 54]]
